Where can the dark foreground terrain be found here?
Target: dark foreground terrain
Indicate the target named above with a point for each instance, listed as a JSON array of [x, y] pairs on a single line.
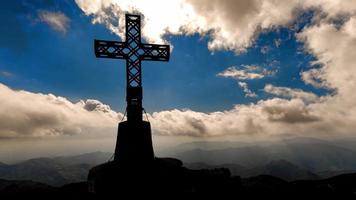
[[170, 180]]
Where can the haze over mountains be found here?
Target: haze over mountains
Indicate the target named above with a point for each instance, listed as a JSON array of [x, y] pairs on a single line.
[[52, 171], [309, 153], [293, 159]]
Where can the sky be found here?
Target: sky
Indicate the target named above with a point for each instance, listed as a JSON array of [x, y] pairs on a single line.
[[252, 69]]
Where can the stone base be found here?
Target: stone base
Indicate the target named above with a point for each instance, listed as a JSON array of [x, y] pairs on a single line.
[[134, 143]]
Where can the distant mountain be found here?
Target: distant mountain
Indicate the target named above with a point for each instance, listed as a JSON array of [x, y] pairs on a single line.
[[279, 168], [328, 174], [249, 157], [300, 158], [348, 143], [204, 145], [313, 155], [93, 158], [54, 171], [284, 170], [45, 170], [236, 170], [272, 178]]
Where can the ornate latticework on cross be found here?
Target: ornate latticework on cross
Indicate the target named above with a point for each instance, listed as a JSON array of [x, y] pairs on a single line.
[[133, 51]]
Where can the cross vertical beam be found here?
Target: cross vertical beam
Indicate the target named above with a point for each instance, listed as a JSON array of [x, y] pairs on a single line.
[[133, 51]]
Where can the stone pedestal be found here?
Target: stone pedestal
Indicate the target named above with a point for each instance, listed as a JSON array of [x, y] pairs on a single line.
[[134, 143]]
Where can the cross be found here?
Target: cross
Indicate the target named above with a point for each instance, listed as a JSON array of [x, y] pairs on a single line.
[[133, 51]]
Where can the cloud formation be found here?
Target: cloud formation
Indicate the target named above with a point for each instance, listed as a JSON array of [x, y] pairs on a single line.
[[302, 113], [247, 91], [246, 72], [249, 72], [26, 114], [233, 25], [58, 21], [271, 117], [47, 115], [290, 93]]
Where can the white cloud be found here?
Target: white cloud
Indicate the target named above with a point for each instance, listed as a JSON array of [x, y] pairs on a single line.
[[232, 24], [286, 92], [334, 49], [315, 78], [266, 118], [247, 73], [26, 114], [277, 42], [247, 91], [303, 113], [58, 21]]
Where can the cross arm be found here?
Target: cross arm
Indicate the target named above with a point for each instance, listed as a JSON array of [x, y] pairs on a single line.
[[109, 49], [155, 52]]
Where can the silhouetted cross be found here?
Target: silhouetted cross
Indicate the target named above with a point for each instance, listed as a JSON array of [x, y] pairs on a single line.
[[133, 51]]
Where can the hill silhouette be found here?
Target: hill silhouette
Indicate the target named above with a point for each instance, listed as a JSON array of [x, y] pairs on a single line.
[[274, 173], [46, 171], [292, 160], [199, 182]]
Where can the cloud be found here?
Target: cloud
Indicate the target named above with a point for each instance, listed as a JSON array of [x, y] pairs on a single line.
[[277, 42], [294, 111], [26, 114], [58, 21], [333, 48], [247, 91], [315, 78], [248, 72], [290, 93], [232, 24], [266, 118], [302, 113]]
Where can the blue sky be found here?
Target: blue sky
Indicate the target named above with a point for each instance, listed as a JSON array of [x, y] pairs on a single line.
[[42, 59]]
